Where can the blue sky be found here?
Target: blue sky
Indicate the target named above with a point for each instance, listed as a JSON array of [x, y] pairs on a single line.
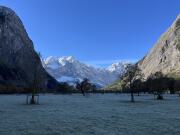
[[98, 32]]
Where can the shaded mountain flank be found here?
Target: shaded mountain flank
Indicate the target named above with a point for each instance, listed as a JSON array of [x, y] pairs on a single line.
[[20, 64]]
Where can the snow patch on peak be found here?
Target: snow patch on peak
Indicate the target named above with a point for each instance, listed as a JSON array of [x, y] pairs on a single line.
[[51, 62], [66, 59], [70, 58], [118, 67], [49, 59]]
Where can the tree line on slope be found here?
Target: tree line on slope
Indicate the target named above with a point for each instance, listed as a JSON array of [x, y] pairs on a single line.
[[157, 84]]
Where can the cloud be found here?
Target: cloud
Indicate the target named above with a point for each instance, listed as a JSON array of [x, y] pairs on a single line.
[[106, 63]]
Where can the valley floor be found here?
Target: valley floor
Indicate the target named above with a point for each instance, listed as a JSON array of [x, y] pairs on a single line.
[[95, 114]]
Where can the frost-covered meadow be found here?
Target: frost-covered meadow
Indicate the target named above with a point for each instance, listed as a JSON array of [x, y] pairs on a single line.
[[108, 114]]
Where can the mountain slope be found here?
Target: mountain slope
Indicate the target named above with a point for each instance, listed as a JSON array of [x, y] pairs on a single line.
[[165, 55], [68, 69], [18, 60]]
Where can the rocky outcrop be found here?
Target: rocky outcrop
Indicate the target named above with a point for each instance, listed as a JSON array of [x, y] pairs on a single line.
[[20, 65], [165, 55]]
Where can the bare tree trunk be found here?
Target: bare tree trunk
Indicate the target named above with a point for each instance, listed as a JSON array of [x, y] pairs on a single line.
[[132, 96], [82, 91], [132, 93], [159, 96], [33, 98]]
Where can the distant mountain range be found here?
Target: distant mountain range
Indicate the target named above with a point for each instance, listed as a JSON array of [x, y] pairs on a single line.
[[68, 69]]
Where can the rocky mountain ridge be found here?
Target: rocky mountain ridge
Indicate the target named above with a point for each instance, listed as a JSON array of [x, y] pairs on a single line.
[[68, 69]]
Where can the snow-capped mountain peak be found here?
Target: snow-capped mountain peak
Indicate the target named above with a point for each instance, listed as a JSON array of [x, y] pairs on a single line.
[[66, 59], [68, 69], [118, 67]]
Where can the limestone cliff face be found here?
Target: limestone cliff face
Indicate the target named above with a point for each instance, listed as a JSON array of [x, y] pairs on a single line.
[[165, 55], [19, 63]]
